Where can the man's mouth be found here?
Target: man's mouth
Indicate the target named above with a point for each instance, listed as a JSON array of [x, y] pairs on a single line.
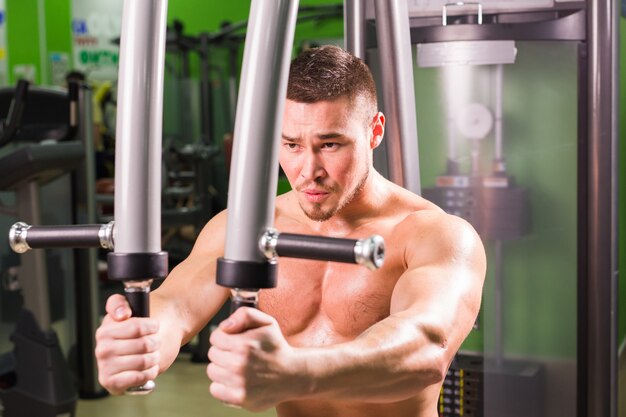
[[315, 196]]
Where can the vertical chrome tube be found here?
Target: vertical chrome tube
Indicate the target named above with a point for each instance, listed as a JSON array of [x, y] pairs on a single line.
[[139, 127], [601, 384], [260, 106], [33, 270], [354, 34], [396, 61], [137, 258]]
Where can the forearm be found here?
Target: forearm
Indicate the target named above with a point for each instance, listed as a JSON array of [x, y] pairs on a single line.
[[170, 331], [392, 361]]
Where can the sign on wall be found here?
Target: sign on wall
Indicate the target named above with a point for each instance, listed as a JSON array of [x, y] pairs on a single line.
[[95, 26], [59, 63]]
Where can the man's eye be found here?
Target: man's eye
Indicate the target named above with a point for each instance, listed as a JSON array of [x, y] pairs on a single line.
[[291, 146], [330, 145]]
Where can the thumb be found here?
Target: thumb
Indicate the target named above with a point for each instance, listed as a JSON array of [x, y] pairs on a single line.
[[118, 308], [246, 318]]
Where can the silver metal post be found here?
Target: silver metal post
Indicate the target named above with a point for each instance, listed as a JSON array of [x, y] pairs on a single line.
[[33, 272], [394, 46], [260, 106], [139, 125], [601, 378], [354, 27], [139, 136]]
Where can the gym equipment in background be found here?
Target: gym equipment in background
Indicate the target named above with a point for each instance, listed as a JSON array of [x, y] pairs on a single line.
[[36, 379], [557, 306], [137, 258]]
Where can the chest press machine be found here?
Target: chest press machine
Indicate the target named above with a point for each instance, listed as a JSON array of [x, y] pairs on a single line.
[[252, 245]]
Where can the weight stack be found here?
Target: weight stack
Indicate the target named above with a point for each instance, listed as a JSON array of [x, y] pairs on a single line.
[[515, 388]]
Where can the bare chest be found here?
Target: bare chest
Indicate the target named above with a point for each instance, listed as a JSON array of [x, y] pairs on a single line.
[[318, 303]]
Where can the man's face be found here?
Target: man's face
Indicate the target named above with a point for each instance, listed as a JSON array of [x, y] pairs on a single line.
[[326, 154]]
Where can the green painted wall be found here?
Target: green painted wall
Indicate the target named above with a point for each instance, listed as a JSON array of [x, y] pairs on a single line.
[[22, 36], [202, 15], [58, 17], [540, 135]]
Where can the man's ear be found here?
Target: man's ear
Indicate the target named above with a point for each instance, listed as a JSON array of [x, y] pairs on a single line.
[[378, 130]]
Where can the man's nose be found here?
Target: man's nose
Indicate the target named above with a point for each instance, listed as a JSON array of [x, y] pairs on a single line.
[[312, 167]]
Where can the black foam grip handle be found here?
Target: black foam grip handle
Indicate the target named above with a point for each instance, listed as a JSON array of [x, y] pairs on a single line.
[[139, 302], [316, 247], [73, 236], [234, 305]]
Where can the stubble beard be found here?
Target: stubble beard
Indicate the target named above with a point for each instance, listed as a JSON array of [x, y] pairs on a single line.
[[318, 214]]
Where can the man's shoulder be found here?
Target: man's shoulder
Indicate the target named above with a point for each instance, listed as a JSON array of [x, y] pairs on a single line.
[[434, 236], [422, 223], [431, 220]]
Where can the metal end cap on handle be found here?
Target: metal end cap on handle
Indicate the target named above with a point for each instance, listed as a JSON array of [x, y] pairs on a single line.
[[144, 389], [268, 243], [105, 234], [17, 237], [370, 252]]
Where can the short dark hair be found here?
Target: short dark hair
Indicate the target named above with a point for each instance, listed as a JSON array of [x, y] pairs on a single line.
[[328, 73]]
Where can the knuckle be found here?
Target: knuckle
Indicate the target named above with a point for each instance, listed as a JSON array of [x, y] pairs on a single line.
[[136, 328], [110, 385], [156, 357], [102, 351], [139, 378], [212, 354], [148, 344], [149, 360], [145, 362], [239, 366], [145, 327], [210, 371], [241, 395], [101, 333], [213, 337], [152, 373]]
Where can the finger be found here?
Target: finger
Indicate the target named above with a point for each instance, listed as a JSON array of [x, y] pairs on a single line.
[[118, 383], [225, 358], [132, 328], [245, 318], [221, 340], [230, 396], [118, 308], [109, 348], [131, 363], [224, 376]]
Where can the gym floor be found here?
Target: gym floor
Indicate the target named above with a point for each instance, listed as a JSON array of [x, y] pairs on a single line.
[[182, 391]]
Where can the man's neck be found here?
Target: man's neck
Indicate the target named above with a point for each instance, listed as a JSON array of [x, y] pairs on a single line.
[[365, 205]]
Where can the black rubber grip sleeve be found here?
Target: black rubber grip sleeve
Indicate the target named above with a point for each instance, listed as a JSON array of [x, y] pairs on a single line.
[[139, 302], [234, 305], [316, 247], [72, 236]]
